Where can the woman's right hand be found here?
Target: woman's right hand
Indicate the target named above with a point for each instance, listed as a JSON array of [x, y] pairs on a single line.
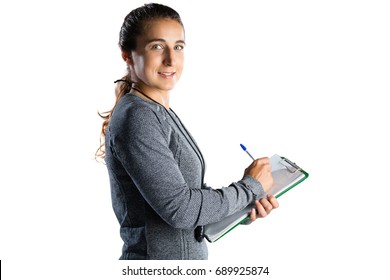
[[260, 169]]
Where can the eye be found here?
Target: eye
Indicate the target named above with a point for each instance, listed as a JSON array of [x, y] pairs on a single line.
[[157, 47], [179, 47]]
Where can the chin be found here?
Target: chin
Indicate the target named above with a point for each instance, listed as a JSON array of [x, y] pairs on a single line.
[[168, 87]]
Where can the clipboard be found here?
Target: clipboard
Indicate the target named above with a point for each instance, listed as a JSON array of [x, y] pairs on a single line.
[[286, 175]]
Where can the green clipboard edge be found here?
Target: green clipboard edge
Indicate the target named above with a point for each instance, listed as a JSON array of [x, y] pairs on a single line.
[[277, 196]]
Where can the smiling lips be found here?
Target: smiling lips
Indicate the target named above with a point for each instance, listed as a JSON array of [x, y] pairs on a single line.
[[167, 75]]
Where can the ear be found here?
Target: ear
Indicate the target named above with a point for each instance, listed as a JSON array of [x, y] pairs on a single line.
[[127, 58]]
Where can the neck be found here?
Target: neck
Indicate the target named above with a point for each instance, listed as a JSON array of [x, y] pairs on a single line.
[[159, 97]]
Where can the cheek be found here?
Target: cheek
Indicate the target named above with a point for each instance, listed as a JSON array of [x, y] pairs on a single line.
[[180, 62], [151, 63]]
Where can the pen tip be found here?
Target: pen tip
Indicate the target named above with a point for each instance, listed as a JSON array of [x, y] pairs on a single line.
[[243, 147]]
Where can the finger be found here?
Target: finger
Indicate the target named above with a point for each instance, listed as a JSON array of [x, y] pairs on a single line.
[[266, 205], [264, 160], [274, 202], [261, 161], [252, 216], [261, 212]]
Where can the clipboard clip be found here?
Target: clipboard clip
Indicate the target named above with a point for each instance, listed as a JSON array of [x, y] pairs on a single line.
[[292, 167]]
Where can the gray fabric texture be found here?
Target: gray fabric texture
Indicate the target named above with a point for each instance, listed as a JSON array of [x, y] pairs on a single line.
[[156, 184]]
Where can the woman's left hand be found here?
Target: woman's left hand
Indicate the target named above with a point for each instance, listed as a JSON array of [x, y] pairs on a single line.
[[263, 207]]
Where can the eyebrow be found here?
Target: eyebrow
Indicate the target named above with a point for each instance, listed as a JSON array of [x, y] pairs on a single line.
[[164, 41]]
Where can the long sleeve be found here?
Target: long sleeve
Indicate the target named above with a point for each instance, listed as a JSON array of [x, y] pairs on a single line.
[[151, 153]]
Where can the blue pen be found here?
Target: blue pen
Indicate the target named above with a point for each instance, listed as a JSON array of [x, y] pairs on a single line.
[[245, 150]]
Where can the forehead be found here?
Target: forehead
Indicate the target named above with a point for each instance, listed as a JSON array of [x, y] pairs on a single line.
[[168, 29]]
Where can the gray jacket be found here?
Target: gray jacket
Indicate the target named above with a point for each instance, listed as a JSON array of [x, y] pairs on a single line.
[[156, 184]]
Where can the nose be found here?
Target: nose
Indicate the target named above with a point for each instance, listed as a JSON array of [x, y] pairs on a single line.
[[169, 58]]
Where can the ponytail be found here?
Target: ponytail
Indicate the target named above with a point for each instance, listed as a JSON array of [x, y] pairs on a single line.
[[123, 86]]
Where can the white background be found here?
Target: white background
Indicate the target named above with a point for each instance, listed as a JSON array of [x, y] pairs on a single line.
[[305, 79]]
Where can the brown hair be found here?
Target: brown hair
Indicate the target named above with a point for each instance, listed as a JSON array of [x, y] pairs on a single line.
[[132, 27]]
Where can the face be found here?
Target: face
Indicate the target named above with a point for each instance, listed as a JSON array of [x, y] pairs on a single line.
[[157, 62]]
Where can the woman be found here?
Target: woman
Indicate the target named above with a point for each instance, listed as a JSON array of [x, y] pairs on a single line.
[[155, 168]]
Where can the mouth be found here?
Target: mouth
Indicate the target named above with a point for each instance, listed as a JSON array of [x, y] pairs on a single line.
[[167, 75]]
